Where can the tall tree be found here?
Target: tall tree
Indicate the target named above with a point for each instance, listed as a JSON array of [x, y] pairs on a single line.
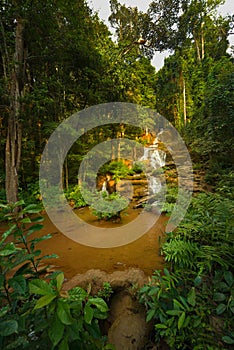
[[50, 67]]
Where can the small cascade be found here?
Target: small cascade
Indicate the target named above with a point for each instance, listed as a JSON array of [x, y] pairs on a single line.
[[104, 187], [153, 159], [154, 185]]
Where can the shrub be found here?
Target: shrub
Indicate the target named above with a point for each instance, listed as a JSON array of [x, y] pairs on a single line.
[[179, 312], [108, 206], [74, 194], [193, 304], [36, 312], [118, 169]]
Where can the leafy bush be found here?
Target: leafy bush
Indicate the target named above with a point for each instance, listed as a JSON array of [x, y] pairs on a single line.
[[179, 312], [74, 195], [106, 291], [225, 186], [118, 169], [36, 312], [137, 168], [108, 206], [193, 304], [31, 194]]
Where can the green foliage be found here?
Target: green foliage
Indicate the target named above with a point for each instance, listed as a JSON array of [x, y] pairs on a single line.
[[194, 303], [74, 195], [106, 291], [118, 169], [31, 194], [225, 185], [137, 168], [71, 317], [179, 312], [36, 312], [108, 206]]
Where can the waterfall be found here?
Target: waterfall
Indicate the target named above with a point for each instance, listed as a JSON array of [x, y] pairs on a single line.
[[104, 187], [152, 160]]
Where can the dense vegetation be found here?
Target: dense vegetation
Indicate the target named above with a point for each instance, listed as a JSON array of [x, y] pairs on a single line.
[[56, 60]]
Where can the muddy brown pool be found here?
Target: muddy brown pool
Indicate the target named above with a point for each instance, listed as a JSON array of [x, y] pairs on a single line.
[[74, 258]]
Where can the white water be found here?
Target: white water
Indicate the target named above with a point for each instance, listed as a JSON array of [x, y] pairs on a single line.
[[153, 159], [104, 186]]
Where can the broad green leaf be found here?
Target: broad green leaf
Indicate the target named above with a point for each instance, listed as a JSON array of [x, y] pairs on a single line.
[[45, 300], [145, 289], [166, 272], [181, 320], [51, 256], [192, 297], [154, 290], [178, 305], [184, 301], [21, 259], [26, 220], [63, 313], [3, 205], [18, 283], [19, 343], [88, 313], [8, 327], [150, 315], [231, 306], [34, 228], [100, 315], [77, 293], [37, 219], [8, 249], [4, 310], [56, 331], [228, 340], [63, 345], [186, 322], [74, 331], [36, 252], [160, 326], [8, 233], [18, 203], [99, 303], [223, 287], [59, 281], [40, 287], [40, 239], [220, 309], [219, 297], [31, 209], [173, 312], [228, 276]]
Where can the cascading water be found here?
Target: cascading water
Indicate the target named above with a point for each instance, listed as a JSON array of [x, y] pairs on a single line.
[[155, 157], [104, 187], [152, 160]]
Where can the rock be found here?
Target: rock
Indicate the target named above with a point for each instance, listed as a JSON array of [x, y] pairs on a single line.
[[126, 326], [121, 302], [129, 330], [118, 279]]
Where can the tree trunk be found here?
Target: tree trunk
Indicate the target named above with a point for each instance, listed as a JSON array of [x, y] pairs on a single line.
[[202, 42], [14, 132], [185, 102], [197, 47]]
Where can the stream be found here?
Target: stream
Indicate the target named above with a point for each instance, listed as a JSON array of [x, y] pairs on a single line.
[[74, 258]]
